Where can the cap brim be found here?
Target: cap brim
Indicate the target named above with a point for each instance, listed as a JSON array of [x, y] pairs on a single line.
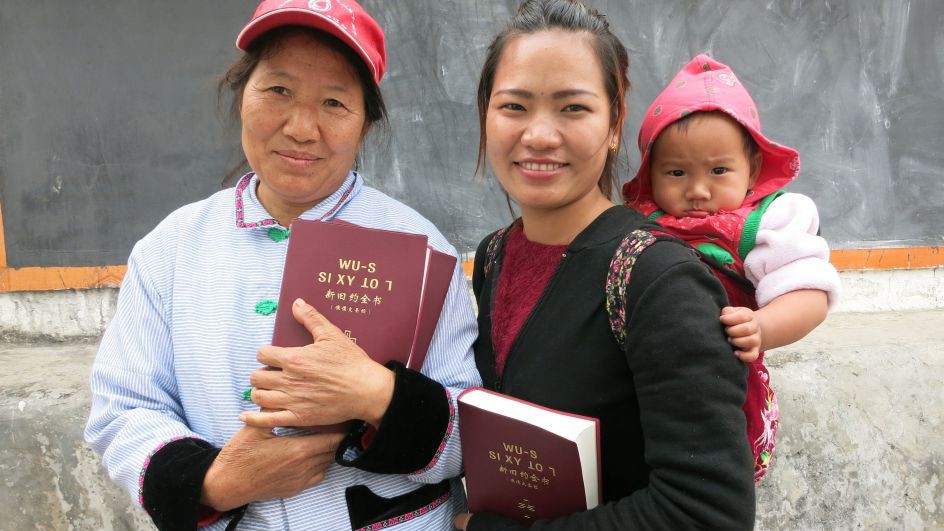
[[301, 17]]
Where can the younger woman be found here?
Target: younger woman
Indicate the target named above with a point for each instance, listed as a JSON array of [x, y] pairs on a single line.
[[673, 450]]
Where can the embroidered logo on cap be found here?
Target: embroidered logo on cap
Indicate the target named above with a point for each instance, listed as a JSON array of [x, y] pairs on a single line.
[[728, 79]]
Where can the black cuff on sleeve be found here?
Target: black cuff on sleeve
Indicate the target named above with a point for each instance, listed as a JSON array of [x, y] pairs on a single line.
[[173, 482], [493, 522], [412, 429]]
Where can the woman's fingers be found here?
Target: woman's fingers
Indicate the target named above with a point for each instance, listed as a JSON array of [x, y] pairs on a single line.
[[315, 479], [274, 358], [461, 521], [256, 465], [329, 381], [316, 324], [270, 419], [324, 448], [269, 399], [325, 445], [266, 378], [252, 433]]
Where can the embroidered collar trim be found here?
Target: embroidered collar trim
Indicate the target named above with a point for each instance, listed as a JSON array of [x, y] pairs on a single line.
[[251, 214]]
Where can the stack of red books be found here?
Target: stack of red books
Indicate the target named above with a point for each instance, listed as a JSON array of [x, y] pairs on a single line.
[[385, 289]]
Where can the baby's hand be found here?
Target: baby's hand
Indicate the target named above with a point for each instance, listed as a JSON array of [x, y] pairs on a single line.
[[743, 332]]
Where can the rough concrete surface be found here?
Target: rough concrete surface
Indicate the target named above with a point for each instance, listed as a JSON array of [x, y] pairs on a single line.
[[52, 480], [892, 290], [56, 315], [70, 314], [861, 444]]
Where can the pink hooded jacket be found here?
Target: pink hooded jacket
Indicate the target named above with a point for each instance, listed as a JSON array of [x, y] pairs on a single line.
[[705, 84]]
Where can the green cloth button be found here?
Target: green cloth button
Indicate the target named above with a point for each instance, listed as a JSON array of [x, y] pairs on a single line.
[[266, 307], [277, 235]]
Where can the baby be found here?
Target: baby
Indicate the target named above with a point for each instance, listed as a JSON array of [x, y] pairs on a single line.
[[709, 176]]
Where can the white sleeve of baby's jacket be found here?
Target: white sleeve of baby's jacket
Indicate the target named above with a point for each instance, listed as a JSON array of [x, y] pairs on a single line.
[[788, 255]]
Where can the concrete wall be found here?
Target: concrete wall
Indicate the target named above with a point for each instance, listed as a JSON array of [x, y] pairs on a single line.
[[893, 290], [70, 314], [861, 445], [56, 315]]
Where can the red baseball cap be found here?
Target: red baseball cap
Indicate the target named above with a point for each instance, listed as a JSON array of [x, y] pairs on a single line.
[[344, 19]]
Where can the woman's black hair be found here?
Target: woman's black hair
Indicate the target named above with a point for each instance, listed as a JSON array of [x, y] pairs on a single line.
[[535, 16], [233, 83]]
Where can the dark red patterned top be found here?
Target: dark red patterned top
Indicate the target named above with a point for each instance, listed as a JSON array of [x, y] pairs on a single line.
[[526, 269]]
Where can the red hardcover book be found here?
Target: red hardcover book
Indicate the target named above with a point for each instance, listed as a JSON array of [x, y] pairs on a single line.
[[439, 270], [384, 289], [525, 461], [366, 282]]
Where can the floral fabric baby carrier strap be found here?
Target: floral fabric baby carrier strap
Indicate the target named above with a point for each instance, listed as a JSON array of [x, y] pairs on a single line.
[[760, 406], [726, 237], [491, 252]]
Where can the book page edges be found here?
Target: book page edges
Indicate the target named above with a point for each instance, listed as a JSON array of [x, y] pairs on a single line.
[[583, 431], [438, 279], [566, 425], [589, 463], [419, 311]]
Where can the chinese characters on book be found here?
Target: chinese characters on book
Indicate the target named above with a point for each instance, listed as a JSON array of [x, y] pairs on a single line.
[[384, 289], [525, 461]]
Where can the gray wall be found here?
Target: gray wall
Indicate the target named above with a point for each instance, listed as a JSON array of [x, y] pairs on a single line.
[[109, 119]]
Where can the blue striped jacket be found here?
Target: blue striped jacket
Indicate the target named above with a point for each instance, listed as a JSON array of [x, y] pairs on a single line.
[[178, 353]]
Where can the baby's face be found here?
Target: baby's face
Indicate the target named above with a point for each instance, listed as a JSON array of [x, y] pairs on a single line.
[[702, 169]]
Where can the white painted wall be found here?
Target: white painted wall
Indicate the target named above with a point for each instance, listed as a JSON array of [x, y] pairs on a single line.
[[62, 315], [892, 290]]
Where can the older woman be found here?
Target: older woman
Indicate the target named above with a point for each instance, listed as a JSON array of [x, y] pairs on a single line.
[[184, 342]]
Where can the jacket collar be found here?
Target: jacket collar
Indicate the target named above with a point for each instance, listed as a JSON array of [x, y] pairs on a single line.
[[615, 222], [250, 214]]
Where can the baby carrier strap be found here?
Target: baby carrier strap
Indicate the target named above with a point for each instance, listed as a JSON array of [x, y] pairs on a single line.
[[748, 236], [494, 246], [617, 279], [656, 215], [760, 406], [752, 224]]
